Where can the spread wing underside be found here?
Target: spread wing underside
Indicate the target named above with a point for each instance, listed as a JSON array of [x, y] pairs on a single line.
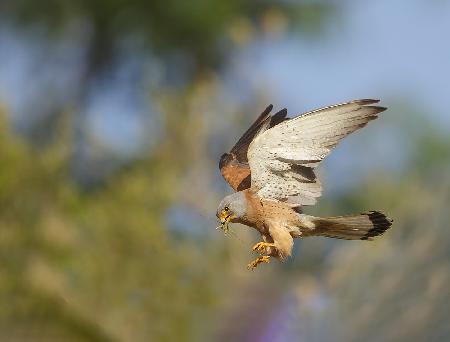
[[282, 159]]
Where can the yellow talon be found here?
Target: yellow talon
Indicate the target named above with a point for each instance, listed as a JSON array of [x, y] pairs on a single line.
[[260, 247], [257, 261]]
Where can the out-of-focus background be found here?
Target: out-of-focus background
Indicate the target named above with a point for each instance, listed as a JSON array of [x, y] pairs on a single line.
[[113, 115]]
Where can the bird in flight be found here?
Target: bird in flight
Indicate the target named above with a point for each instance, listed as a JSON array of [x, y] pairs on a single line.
[[271, 169]]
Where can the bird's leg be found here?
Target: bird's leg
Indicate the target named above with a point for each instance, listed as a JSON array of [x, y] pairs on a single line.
[[257, 261], [263, 247]]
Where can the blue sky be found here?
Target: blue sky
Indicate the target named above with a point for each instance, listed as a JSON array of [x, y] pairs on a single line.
[[385, 49]]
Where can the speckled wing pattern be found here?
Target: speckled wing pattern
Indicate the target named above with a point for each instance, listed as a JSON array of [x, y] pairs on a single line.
[[234, 165], [282, 159]]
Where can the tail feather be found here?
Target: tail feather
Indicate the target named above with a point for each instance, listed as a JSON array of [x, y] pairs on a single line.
[[362, 226]]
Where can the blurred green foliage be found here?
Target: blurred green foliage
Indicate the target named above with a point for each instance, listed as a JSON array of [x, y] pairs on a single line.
[[195, 29], [76, 263]]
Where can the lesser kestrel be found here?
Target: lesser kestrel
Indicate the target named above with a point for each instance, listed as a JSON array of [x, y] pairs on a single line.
[[271, 168]]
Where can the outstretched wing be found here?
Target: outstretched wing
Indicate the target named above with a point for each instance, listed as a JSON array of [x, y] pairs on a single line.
[[282, 159], [234, 165]]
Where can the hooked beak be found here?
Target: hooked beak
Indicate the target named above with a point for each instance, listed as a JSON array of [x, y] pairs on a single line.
[[224, 217]]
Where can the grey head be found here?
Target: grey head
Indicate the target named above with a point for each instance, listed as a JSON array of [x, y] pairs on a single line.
[[232, 208]]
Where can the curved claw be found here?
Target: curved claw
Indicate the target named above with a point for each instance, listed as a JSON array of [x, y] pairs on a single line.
[[261, 247], [257, 261]]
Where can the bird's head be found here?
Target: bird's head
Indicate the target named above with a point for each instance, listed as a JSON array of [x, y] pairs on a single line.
[[232, 208]]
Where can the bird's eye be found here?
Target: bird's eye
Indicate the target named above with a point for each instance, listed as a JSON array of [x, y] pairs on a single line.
[[226, 209]]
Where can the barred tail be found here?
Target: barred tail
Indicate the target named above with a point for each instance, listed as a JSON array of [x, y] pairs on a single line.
[[362, 226]]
